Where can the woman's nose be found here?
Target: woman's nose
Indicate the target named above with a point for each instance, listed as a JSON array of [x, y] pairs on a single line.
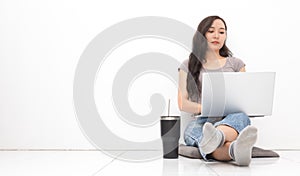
[[216, 35]]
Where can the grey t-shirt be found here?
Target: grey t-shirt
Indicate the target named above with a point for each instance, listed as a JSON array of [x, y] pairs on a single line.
[[232, 65]]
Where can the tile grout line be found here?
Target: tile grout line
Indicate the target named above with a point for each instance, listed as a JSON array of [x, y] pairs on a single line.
[[63, 150], [288, 159], [212, 169], [103, 167], [79, 149]]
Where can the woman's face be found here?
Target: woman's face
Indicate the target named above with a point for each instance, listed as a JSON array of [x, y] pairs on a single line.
[[216, 35]]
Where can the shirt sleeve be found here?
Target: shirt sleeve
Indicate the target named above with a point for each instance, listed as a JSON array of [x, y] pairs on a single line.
[[184, 66], [238, 64]]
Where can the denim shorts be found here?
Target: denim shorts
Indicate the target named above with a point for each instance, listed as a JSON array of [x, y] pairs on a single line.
[[193, 131]]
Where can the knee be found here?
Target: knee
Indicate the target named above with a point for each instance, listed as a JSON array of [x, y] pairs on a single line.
[[244, 118], [191, 136], [189, 141], [240, 118], [187, 137]]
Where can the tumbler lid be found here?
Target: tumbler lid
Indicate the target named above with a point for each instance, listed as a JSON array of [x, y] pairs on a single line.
[[169, 117]]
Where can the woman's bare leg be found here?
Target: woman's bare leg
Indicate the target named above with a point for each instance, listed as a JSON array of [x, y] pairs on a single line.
[[230, 134], [222, 153], [241, 149]]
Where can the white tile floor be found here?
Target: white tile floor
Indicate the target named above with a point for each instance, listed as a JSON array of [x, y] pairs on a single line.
[[94, 163]]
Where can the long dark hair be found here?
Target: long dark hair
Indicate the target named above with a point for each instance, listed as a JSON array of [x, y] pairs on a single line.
[[197, 56]]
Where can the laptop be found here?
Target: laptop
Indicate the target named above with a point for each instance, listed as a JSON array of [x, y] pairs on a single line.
[[224, 93]]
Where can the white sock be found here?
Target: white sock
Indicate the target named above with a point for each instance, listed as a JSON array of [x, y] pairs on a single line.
[[240, 150], [212, 138]]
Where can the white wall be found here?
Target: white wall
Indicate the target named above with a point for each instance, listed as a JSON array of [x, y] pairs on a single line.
[[42, 41]]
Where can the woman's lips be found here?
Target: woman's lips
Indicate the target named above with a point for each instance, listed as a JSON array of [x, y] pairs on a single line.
[[215, 42]]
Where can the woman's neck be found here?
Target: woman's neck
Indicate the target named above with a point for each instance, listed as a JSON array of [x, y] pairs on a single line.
[[214, 61], [212, 56]]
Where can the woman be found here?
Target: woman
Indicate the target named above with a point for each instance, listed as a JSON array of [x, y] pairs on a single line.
[[221, 138]]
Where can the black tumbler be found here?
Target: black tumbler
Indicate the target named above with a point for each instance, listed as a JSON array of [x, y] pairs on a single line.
[[170, 133]]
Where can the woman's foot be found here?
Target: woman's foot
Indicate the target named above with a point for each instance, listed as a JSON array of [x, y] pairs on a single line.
[[212, 138], [240, 150]]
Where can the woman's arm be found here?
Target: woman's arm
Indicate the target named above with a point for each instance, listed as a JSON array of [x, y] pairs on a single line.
[[184, 103]]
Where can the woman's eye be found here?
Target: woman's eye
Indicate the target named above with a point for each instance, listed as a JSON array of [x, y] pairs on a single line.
[[210, 31], [222, 32]]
